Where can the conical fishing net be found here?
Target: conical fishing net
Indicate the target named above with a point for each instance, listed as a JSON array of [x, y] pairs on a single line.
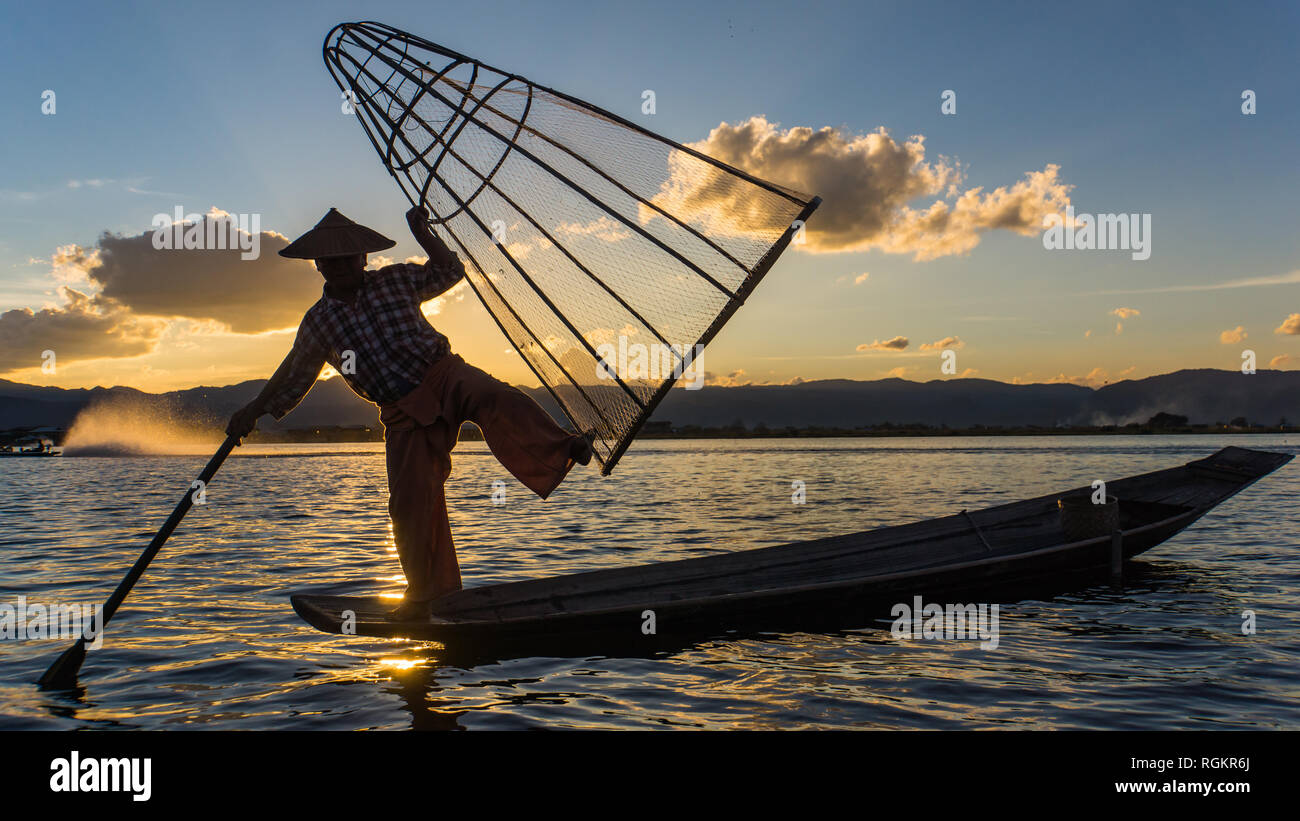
[[608, 255]]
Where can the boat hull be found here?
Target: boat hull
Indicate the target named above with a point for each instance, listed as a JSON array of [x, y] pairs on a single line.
[[840, 580]]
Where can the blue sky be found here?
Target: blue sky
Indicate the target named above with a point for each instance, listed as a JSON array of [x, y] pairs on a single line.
[[230, 106]]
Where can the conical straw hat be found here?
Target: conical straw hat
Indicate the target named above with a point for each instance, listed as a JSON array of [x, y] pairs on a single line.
[[336, 236]]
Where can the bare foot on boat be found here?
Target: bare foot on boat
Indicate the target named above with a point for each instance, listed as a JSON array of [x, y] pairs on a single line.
[[411, 611]]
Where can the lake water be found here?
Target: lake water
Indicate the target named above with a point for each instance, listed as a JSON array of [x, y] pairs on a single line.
[[208, 638]]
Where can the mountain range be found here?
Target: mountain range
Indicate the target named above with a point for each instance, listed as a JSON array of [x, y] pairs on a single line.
[[1204, 396]]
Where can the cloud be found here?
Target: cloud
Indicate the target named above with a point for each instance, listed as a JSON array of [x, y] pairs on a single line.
[[1281, 360], [1232, 337], [866, 182], [735, 379], [249, 296], [740, 379], [1249, 282], [1290, 325], [944, 230], [898, 343], [119, 296], [455, 293], [433, 307], [861, 278], [93, 183], [1087, 333], [603, 228], [1124, 313], [896, 373], [146, 192], [85, 327], [75, 187], [520, 251], [608, 336], [1095, 378], [943, 344], [69, 263]]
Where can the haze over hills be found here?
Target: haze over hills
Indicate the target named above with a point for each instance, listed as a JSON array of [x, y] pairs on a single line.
[[1204, 396]]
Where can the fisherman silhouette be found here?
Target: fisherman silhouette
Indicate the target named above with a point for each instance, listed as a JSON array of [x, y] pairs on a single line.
[[368, 325]]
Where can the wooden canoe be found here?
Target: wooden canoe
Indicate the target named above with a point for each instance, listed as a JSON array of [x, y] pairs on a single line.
[[959, 554]]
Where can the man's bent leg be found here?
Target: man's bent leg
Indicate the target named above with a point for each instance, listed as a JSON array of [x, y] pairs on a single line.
[[419, 462], [523, 437]]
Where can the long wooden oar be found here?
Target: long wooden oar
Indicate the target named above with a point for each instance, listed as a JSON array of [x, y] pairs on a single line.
[[62, 674]]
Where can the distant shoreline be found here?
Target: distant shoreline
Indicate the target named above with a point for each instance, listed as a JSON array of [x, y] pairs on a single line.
[[907, 433], [469, 433]]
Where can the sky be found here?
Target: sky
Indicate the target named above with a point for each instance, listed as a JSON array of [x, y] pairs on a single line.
[[930, 238]]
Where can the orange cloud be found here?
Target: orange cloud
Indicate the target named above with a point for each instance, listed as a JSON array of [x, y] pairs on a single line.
[[943, 344], [1232, 337], [85, 327], [1290, 325], [1095, 378], [249, 295], [866, 182], [898, 343], [734, 379]]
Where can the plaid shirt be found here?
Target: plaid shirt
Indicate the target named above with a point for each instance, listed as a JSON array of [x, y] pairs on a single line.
[[381, 343]]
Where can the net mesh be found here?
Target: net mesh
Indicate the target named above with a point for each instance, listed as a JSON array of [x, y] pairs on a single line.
[[608, 255]]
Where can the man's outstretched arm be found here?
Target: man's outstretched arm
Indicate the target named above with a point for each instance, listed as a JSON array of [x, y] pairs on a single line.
[[282, 392]]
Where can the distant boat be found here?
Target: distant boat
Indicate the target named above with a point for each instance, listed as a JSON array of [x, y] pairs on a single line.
[[1038, 539], [31, 446]]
